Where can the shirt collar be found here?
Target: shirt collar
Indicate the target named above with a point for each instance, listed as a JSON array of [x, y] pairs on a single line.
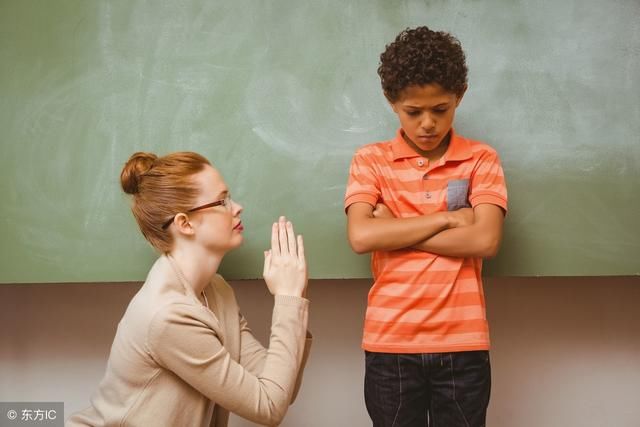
[[459, 148]]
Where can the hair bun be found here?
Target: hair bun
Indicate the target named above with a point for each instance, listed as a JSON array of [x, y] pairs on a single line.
[[138, 164]]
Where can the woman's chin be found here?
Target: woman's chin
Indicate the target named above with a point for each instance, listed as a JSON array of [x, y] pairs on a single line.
[[237, 242]]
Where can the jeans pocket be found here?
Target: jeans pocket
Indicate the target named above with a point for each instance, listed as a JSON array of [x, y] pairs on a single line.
[[478, 359]]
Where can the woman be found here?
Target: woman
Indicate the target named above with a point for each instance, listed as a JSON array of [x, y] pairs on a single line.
[[183, 354]]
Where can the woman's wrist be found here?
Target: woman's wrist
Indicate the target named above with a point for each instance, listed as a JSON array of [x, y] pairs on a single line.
[[289, 294]]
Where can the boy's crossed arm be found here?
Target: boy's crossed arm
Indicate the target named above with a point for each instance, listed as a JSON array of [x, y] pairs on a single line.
[[480, 239], [461, 233], [370, 230]]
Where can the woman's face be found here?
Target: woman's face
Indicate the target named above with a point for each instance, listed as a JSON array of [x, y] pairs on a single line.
[[218, 228]]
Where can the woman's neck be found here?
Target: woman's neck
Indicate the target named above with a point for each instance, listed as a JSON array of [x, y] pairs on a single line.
[[197, 267]]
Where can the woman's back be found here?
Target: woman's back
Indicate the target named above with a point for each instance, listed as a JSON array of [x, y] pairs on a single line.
[[138, 390]]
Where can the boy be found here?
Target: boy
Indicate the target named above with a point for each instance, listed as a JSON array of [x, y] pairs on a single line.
[[430, 205]]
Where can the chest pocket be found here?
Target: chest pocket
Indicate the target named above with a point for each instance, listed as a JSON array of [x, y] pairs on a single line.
[[458, 194]]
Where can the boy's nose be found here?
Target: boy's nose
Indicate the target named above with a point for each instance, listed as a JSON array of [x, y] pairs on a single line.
[[428, 123]]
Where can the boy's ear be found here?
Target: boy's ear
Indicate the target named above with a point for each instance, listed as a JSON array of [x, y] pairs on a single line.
[[459, 98], [183, 226], [391, 103], [386, 95]]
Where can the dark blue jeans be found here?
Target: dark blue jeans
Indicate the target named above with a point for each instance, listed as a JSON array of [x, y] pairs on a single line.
[[428, 389]]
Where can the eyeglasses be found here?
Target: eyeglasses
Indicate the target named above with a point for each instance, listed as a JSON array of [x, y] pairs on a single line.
[[226, 202]]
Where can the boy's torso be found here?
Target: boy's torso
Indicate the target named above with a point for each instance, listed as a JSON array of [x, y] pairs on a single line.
[[422, 302]]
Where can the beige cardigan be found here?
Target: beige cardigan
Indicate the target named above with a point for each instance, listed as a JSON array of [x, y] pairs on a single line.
[[174, 362]]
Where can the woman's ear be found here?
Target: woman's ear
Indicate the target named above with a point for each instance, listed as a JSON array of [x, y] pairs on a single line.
[[183, 226]]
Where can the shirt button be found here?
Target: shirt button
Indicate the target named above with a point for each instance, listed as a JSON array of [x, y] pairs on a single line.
[[420, 162]]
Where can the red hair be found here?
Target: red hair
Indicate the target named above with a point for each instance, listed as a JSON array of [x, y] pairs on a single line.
[[161, 187]]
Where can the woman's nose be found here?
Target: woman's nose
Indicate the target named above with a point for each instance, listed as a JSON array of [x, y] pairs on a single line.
[[237, 207]]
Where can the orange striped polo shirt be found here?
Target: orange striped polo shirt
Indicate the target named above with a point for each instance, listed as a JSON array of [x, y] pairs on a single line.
[[421, 302]]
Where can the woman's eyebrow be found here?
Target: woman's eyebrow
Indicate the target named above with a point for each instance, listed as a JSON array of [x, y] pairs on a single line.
[[222, 193]]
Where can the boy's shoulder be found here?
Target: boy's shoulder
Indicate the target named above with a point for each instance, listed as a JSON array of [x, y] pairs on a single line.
[[375, 149], [383, 150], [477, 147]]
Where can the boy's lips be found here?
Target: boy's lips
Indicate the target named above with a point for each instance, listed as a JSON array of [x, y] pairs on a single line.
[[239, 226]]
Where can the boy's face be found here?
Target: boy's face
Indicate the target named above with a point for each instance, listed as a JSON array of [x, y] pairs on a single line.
[[426, 114]]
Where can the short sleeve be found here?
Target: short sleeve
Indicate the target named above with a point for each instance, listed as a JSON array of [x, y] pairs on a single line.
[[363, 184], [488, 182]]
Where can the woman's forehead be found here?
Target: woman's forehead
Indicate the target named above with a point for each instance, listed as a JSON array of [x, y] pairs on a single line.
[[211, 181]]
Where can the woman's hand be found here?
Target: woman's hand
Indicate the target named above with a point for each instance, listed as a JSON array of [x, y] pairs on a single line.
[[285, 267]]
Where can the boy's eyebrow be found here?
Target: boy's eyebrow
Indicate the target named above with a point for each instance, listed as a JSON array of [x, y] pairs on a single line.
[[441, 104], [222, 194]]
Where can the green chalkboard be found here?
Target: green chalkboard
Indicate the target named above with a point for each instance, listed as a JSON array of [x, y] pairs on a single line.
[[278, 94]]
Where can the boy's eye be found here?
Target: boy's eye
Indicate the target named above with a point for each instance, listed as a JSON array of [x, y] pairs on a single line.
[[413, 113], [440, 110]]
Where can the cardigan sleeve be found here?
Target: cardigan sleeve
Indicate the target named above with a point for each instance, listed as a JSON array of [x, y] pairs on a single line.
[[303, 364], [253, 354], [183, 340]]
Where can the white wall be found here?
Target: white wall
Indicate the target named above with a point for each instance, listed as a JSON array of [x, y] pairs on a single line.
[[566, 351]]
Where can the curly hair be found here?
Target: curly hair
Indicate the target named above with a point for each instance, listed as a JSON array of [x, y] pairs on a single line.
[[421, 56]]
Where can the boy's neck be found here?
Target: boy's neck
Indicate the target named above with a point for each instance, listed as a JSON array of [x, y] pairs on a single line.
[[432, 155]]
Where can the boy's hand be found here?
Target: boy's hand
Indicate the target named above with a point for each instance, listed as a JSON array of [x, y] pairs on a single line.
[[461, 218], [382, 211]]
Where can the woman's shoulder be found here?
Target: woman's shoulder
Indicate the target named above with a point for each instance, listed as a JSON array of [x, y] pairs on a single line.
[[149, 312], [178, 320], [162, 300], [180, 311]]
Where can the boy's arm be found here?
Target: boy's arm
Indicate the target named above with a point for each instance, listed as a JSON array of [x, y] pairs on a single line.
[[488, 196], [367, 232], [480, 239]]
